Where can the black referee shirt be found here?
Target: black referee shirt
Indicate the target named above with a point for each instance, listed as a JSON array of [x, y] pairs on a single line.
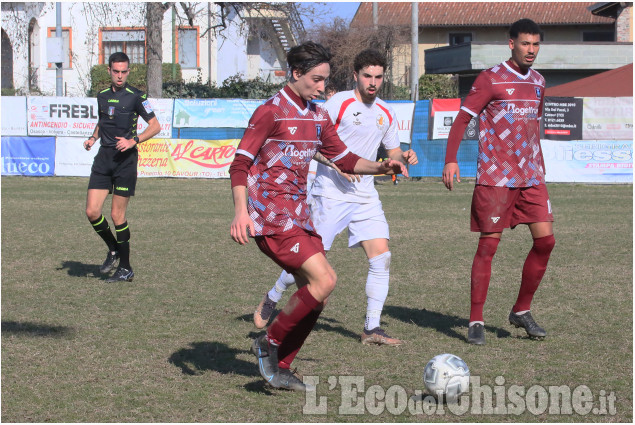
[[119, 111]]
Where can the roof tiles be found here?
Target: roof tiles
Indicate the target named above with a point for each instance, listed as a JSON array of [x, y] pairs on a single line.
[[445, 14]]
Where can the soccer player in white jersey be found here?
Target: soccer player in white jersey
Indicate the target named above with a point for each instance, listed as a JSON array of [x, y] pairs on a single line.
[[340, 201], [510, 183]]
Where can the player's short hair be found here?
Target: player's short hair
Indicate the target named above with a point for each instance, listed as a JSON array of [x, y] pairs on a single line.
[[307, 56], [369, 57], [330, 88], [523, 26], [118, 57]]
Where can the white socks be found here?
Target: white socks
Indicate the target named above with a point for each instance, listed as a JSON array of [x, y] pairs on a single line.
[[376, 288], [284, 281]]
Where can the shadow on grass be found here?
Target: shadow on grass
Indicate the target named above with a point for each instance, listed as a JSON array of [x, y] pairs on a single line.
[[216, 356], [440, 322], [77, 269], [34, 329], [323, 324]]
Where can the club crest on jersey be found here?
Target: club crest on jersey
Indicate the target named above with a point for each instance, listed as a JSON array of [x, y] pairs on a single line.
[[510, 91], [292, 130], [111, 112], [318, 130], [380, 121], [538, 92]]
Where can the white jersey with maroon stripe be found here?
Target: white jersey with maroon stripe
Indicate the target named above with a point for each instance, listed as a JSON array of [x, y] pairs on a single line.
[[362, 127], [509, 106], [281, 139]]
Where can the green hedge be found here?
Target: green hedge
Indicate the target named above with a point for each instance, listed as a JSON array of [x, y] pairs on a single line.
[[233, 87], [101, 80]]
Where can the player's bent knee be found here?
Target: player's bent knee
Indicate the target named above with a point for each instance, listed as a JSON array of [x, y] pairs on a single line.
[[381, 262], [93, 214], [545, 244]]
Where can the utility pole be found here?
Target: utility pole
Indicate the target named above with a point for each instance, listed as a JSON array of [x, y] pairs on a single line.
[[209, 44], [414, 53], [375, 16], [173, 42], [59, 78]]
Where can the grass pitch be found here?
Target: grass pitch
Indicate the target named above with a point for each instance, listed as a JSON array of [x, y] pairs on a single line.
[[173, 346]]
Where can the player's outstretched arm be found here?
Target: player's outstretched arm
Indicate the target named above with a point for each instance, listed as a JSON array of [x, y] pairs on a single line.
[[450, 170], [323, 160], [389, 166], [242, 223], [408, 157]]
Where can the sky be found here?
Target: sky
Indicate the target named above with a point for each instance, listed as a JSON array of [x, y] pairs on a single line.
[[326, 11]]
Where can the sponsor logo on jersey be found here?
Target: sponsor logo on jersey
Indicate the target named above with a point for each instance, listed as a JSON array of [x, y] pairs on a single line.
[[111, 112], [495, 219], [295, 153], [292, 130], [146, 105], [295, 248], [510, 91], [356, 113], [113, 100], [318, 130], [538, 92], [511, 107]]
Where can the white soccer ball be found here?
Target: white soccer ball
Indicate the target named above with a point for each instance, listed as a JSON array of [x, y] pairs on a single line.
[[447, 375]]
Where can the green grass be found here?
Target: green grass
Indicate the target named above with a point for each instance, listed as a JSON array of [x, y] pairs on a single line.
[[173, 345]]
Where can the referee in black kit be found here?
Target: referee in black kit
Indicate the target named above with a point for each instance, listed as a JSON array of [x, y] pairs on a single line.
[[115, 166]]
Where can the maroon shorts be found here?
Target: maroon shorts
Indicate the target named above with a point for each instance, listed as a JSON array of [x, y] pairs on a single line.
[[497, 208], [292, 248]]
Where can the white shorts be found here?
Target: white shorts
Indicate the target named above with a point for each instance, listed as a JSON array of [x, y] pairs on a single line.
[[364, 221]]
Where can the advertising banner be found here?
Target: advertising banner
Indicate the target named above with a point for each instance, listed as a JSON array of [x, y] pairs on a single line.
[[61, 116], [443, 113], [14, 116], [404, 112], [28, 156], [562, 118], [608, 118], [186, 158], [598, 161], [71, 159], [163, 110], [205, 113]]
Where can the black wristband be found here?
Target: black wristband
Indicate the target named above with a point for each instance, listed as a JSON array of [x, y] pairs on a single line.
[[136, 139]]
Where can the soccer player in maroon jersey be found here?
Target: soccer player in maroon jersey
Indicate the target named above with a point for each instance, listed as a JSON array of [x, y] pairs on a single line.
[[510, 182], [271, 164]]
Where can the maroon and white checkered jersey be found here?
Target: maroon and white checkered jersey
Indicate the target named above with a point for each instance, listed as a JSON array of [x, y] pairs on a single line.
[[281, 139], [509, 105]]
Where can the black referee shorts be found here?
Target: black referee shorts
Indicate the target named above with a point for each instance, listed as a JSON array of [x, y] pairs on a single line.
[[115, 171]]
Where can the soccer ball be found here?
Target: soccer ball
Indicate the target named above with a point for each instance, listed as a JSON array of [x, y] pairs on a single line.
[[447, 375]]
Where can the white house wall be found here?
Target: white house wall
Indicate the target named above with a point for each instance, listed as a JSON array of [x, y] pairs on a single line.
[[228, 52]]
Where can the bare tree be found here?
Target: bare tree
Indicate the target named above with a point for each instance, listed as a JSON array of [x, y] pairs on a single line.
[[346, 42], [154, 43]]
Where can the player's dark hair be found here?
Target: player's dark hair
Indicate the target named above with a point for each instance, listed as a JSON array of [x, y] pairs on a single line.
[[369, 57], [330, 88], [118, 57], [307, 56], [523, 26]]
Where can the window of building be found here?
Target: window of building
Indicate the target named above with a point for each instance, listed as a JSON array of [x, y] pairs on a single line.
[[187, 47], [131, 41], [460, 38], [598, 36], [68, 47]]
